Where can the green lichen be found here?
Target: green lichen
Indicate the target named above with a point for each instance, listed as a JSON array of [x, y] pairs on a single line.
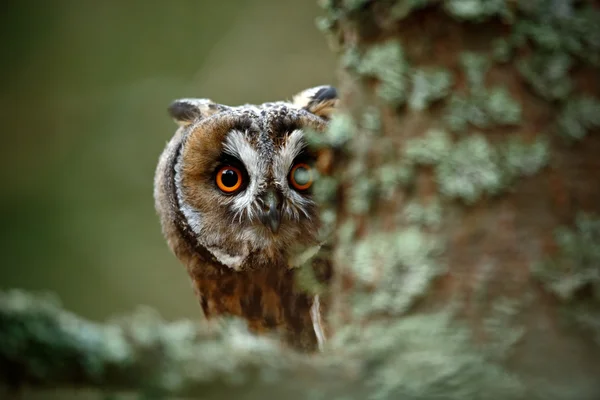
[[424, 357], [325, 189], [569, 27], [470, 170], [502, 50], [341, 128], [307, 279], [577, 264], [428, 85], [429, 215], [557, 38], [573, 274], [385, 62], [371, 120], [501, 108], [478, 10], [350, 58], [579, 116], [403, 265], [401, 9], [483, 110], [361, 195], [430, 149], [548, 74], [346, 232], [519, 158], [328, 218], [475, 66], [480, 106], [47, 346], [325, 24], [500, 327], [354, 5], [389, 177]]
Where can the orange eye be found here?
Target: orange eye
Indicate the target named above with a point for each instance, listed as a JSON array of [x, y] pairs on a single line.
[[301, 176], [229, 179]]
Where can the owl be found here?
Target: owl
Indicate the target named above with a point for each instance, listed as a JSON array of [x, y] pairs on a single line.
[[233, 193]]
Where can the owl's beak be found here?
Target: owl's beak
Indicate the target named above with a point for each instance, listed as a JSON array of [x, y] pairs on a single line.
[[271, 217]]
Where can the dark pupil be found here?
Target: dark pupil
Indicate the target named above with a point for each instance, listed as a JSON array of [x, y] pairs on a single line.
[[229, 178]]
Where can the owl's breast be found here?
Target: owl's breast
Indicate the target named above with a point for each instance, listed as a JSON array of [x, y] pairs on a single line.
[[269, 299]]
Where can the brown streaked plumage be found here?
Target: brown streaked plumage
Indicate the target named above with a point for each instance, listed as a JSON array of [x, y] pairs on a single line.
[[238, 246]]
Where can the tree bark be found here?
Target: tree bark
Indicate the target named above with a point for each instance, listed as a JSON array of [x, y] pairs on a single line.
[[466, 188]]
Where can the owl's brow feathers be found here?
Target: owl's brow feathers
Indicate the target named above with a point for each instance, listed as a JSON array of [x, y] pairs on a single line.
[[283, 160], [237, 145]]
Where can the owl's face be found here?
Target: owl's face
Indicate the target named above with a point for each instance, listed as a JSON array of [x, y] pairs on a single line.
[[243, 176]]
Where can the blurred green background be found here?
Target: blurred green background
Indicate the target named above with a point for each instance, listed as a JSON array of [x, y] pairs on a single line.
[[83, 96]]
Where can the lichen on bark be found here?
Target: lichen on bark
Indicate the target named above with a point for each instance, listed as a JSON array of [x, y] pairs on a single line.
[[485, 93]]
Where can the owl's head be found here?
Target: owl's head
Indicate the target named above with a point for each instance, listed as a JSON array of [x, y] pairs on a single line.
[[236, 181]]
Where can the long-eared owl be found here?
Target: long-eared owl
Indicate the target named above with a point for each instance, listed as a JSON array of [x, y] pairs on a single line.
[[233, 193]]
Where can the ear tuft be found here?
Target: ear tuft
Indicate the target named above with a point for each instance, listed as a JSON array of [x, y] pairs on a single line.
[[186, 111], [320, 100]]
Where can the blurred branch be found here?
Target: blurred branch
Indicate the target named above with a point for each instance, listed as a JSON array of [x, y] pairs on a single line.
[[42, 346]]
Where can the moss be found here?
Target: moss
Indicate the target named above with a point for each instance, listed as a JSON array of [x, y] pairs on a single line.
[[576, 266], [385, 62], [470, 170], [426, 356], [430, 149], [578, 116], [477, 10], [428, 85], [547, 74], [403, 265]]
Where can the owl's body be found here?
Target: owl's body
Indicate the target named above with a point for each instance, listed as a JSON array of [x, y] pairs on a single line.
[[232, 190]]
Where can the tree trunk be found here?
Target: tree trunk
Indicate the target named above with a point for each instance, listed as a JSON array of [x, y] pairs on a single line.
[[466, 196]]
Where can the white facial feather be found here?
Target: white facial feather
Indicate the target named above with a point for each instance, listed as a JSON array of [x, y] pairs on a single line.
[[295, 204], [193, 217], [238, 145]]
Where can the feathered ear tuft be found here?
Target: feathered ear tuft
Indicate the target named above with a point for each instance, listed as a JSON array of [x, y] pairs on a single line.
[[186, 111], [320, 100]]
